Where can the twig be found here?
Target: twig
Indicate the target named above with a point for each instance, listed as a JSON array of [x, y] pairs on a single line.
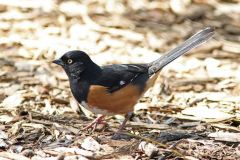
[[149, 126], [155, 142]]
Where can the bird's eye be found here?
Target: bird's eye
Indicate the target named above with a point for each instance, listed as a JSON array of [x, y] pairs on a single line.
[[69, 61]]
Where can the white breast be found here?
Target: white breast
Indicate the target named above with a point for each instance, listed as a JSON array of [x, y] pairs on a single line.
[[96, 110]]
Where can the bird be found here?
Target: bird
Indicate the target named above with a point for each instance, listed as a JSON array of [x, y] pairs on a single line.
[[115, 89]]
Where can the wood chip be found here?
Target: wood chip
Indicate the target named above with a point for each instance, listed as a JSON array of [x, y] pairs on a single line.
[[203, 112], [13, 101], [74, 151], [226, 136], [13, 156], [148, 148], [150, 126], [90, 144]]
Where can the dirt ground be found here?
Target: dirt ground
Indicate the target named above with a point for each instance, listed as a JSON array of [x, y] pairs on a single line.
[[192, 112]]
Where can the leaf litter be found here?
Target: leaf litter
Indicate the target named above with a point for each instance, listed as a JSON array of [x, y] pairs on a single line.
[[193, 111]]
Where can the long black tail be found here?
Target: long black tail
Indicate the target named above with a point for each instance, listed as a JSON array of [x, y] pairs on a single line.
[[192, 42]]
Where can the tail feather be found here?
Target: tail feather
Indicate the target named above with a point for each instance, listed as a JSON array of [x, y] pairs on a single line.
[[194, 41]]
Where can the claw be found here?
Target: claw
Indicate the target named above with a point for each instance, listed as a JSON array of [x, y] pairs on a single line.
[[95, 122]]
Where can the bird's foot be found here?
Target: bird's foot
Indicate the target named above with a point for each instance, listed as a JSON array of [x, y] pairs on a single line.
[[95, 123], [118, 135]]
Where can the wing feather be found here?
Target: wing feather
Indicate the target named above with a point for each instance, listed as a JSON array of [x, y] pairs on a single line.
[[115, 77]]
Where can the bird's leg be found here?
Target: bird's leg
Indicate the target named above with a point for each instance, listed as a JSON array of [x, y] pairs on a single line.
[[117, 135], [95, 122]]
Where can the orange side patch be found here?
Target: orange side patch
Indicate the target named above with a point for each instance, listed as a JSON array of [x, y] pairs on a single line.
[[118, 102]]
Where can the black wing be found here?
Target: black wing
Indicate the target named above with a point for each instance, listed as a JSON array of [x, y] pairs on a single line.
[[115, 77]]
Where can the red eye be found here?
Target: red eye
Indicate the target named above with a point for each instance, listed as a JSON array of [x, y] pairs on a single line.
[[69, 61]]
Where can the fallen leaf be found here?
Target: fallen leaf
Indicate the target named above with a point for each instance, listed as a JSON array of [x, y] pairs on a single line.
[[90, 144]]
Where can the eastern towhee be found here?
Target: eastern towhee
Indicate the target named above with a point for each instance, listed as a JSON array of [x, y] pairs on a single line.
[[115, 89]]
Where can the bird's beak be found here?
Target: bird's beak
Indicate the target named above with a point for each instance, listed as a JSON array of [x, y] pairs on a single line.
[[58, 62]]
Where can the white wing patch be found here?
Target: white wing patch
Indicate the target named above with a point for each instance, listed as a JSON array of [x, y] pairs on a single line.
[[122, 83]]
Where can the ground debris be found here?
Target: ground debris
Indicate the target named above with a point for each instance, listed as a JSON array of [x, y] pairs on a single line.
[[13, 156], [149, 149], [226, 136], [193, 108], [90, 144], [13, 101]]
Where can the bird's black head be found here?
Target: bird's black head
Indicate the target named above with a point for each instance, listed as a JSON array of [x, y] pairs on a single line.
[[75, 63]]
